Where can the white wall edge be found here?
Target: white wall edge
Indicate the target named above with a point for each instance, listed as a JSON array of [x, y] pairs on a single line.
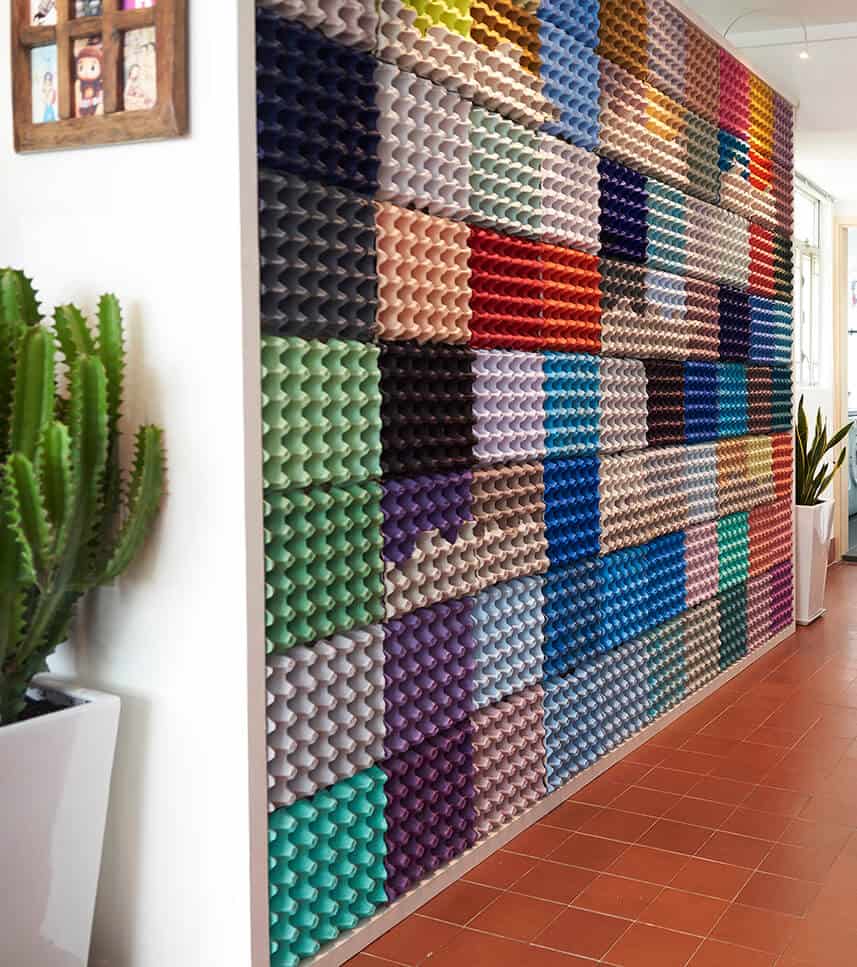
[[351, 943], [257, 769]]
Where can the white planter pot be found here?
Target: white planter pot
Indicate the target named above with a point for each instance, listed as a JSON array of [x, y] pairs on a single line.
[[54, 786], [813, 530]]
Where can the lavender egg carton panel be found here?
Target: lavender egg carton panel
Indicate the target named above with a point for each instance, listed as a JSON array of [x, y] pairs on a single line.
[[325, 713]]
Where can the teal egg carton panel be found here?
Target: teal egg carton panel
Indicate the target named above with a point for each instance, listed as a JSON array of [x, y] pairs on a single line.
[[323, 567], [326, 865], [321, 411]]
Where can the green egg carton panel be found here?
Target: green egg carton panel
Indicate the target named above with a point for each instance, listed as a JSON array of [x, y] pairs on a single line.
[[733, 550], [324, 571], [321, 411], [326, 865]]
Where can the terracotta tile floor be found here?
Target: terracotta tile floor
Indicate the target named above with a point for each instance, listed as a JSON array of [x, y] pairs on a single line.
[[729, 840]]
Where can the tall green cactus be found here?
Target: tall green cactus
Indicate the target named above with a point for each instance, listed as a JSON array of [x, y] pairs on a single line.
[[69, 520]]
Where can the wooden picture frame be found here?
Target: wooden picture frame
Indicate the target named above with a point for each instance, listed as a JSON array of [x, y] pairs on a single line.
[[113, 124]]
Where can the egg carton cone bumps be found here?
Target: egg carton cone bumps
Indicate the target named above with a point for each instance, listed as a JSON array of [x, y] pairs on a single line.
[[352, 22], [424, 146], [508, 639], [327, 869], [323, 565], [427, 408], [624, 405], [508, 758], [321, 411], [317, 115], [509, 521], [430, 815], [570, 196], [428, 672], [430, 545], [701, 643], [571, 509], [571, 615], [509, 406], [317, 253], [505, 174], [325, 713], [423, 277]]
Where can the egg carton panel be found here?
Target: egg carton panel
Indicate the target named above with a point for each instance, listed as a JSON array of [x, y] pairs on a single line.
[[571, 514], [428, 672], [427, 408], [317, 259], [572, 606], [572, 389], [509, 521], [327, 865], [624, 405], [325, 713], [508, 638], [509, 406], [430, 810], [317, 112], [423, 286], [508, 758], [321, 411], [323, 564]]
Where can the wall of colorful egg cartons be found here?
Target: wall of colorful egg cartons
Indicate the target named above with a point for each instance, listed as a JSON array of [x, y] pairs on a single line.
[[526, 297]]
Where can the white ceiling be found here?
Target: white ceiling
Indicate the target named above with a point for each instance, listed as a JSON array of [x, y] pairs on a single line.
[[825, 86]]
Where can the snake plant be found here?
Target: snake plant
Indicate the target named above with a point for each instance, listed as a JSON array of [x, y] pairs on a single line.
[[70, 520], [811, 475]]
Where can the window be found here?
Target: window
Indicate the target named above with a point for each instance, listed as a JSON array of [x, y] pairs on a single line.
[[807, 222]]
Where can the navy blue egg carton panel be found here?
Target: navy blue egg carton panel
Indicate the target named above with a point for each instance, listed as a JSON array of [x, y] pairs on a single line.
[[317, 258], [734, 324], [572, 518], [700, 402], [317, 112], [623, 212]]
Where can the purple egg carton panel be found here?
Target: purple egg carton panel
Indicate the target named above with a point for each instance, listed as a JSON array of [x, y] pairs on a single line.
[[430, 806], [428, 672], [412, 506]]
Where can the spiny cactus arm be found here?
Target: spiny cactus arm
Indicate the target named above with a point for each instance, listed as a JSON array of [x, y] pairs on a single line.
[[32, 516], [53, 465], [33, 397], [72, 574], [111, 350], [145, 491], [18, 300], [73, 334], [16, 560], [10, 334]]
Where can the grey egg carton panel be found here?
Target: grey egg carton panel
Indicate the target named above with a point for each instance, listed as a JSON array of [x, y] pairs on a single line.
[[325, 713]]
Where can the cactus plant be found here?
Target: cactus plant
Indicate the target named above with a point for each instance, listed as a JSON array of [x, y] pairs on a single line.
[[69, 519]]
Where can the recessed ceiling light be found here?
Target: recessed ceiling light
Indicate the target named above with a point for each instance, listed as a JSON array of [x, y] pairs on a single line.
[[804, 54]]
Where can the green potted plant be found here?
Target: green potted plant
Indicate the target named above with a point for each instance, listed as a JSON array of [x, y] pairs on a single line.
[[70, 520], [814, 511]]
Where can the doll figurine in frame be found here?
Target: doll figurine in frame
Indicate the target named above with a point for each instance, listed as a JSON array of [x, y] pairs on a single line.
[[89, 83]]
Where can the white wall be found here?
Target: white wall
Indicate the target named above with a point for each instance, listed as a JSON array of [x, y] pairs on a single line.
[[160, 224]]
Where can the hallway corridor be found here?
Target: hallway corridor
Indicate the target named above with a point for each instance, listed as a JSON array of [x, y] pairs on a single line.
[[729, 840]]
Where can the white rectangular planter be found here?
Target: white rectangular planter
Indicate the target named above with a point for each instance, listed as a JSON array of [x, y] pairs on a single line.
[[54, 788], [813, 530]]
